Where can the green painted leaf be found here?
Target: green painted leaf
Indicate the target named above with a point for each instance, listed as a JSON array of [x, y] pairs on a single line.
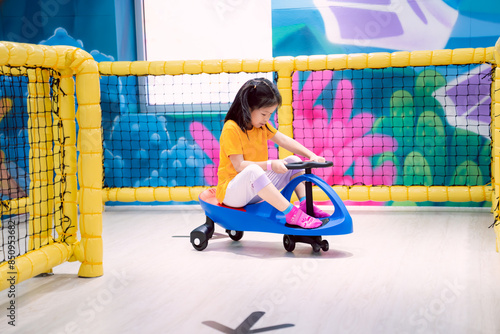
[[468, 173], [430, 138], [416, 170]]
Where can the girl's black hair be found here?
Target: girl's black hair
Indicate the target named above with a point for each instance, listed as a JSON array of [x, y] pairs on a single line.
[[254, 94]]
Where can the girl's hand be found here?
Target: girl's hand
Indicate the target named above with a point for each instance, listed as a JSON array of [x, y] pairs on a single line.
[[316, 158], [278, 166]]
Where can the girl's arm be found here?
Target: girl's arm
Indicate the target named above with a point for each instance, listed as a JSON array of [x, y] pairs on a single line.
[[295, 147], [239, 164]]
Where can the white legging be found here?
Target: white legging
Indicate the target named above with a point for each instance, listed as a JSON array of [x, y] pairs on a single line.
[[243, 189]]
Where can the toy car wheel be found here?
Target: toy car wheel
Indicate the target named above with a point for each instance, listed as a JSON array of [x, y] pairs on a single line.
[[316, 248], [325, 246], [288, 243], [235, 235], [199, 245]]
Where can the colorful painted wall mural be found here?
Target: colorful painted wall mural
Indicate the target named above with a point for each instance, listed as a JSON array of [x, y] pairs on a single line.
[[360, 119], [306, 27]]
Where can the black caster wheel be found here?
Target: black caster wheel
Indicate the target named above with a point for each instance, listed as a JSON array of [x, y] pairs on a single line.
[[199, 238], [288, 243], [324, 245], [235, 235], [200, 235], [199, 245]]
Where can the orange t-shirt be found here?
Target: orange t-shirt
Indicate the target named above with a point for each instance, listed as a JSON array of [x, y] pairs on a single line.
[[253, 146]]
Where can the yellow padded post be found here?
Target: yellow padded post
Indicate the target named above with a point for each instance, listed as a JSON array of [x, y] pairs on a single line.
[[163, 194], [121, 68], [181, 194], [174, 67], [105, 68], [34, 263], [53, 55], [232, 65], [150, 194], [336, 62], [301, 62], [462, 56], [380, 193], [316, 63], [18, 55], [379, 60], [441, 57], [212, 66], [420, 58], [36, 55], [139, 67], [266, 65], [489, 55], [193, 67], [145, 194], [285, 66], [357, 60], [4, 54], [400, 59], [154, 68], [250, 65], [90, 163]]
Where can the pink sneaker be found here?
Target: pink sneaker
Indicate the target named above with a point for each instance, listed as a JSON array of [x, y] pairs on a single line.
[[318, 213], [299, 218]]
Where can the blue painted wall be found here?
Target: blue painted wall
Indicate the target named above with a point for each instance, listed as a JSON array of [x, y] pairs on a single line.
[[104, 25]]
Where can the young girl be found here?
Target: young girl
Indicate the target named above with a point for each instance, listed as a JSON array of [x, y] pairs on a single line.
[[245, 174]]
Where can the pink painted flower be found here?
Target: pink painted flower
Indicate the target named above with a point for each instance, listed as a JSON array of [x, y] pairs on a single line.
[[344, 139], [210, 145]]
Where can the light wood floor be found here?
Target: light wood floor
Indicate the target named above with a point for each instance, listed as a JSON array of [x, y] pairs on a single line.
[[414, 271]]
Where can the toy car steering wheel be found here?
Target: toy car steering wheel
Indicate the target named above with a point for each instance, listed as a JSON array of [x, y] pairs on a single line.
[[307, 165]]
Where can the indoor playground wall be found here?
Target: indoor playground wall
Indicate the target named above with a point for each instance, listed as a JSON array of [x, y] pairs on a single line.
[[299, 28]]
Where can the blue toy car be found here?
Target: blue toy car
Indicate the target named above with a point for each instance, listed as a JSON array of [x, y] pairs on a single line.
[[262, 217]]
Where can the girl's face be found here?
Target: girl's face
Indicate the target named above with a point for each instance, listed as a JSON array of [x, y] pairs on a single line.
[[260, 116]]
